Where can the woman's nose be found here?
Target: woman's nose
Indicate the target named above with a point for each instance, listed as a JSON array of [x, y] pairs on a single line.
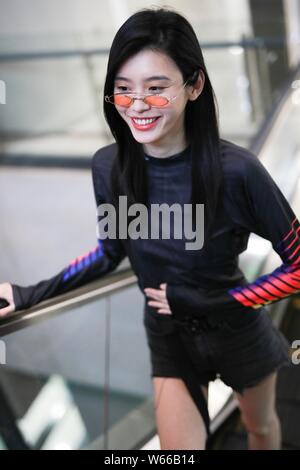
[[139, 105]]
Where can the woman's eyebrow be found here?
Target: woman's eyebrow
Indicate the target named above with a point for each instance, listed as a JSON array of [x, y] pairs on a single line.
[[149, 79]]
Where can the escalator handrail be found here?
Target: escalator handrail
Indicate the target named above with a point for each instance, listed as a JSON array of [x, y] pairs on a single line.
[[106, 285]]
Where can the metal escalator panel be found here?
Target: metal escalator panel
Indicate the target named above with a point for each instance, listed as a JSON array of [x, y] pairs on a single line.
[[72, 377]]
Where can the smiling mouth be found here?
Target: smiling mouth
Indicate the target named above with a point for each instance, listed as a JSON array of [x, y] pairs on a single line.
[[144, 121]]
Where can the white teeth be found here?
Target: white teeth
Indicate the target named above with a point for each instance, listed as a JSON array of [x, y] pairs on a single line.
[[143, 122]]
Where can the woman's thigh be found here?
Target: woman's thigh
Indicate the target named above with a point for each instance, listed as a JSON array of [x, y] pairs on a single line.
[[179, 423], [257, 404]]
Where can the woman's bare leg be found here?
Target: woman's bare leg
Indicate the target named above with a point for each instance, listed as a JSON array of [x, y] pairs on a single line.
[[259, 415], [179, 423]]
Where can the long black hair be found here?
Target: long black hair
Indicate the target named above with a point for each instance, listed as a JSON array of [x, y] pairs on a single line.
[[169, 32]]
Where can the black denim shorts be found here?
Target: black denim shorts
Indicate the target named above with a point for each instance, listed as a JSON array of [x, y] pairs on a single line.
[[240, 350]]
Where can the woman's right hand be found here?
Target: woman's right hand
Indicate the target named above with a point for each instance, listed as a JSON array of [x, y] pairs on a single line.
[[6, 293]]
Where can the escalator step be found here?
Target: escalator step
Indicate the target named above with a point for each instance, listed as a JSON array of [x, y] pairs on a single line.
[[234, 441], [289, 414]]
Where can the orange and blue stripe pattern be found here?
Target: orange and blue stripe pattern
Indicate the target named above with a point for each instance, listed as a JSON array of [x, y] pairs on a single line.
[[81, 262], [282, 282]]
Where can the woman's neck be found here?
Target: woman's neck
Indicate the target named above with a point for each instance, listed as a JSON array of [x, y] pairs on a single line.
[[164, 152]]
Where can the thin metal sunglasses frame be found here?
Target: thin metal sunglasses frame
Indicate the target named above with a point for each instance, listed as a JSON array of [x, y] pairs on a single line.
[[108, 98]]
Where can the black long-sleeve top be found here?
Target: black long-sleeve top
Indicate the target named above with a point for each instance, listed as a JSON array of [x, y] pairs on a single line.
[[198, 281]]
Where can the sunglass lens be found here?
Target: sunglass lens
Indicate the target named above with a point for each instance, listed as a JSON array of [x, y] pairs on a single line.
[[156, 100], [122, 100]]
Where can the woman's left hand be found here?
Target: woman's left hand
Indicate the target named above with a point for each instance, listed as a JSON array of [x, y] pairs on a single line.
[[160, 299]]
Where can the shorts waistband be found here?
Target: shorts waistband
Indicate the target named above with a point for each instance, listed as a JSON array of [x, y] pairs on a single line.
[[194, 325]]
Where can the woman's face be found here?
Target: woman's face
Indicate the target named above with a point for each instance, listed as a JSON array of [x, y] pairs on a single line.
[[166, 134]]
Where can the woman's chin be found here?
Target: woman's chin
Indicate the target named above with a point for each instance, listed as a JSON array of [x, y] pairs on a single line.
[[144, 139]]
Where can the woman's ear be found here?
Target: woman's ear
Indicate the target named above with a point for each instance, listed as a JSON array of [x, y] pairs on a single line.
[[196, 89]]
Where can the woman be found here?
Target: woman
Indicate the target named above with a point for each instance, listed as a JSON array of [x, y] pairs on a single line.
[[203, 319]]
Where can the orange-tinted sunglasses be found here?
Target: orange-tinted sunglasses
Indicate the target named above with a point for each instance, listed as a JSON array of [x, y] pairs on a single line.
[[156, 101]]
